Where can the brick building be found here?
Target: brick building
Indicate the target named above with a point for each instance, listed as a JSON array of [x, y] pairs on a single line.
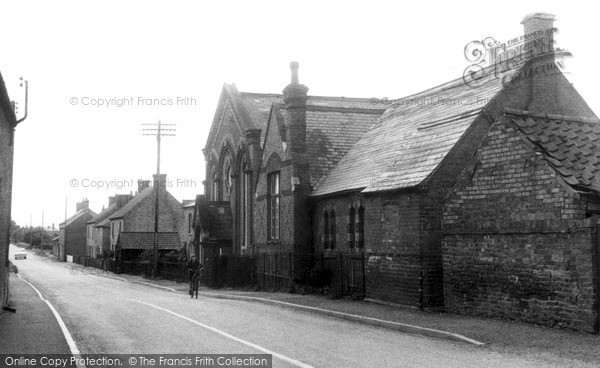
[[264, 154], [73, 231], [477, 198], [137, 215], [98, 228], [8, 122]]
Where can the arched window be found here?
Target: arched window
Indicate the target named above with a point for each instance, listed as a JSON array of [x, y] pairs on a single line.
[[214, 182], [226, 177], [360, 228], [273, 197], [244, 203], [351, 228], [332, 231], [326, 230]]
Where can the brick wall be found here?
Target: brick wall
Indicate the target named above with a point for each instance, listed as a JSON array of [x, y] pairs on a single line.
[[76, 236], [516, 240], [6, 170], [274, 147], [394, 260]]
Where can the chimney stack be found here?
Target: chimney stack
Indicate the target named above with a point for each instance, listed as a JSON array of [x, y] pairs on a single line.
[[541, 78], [111, 200], [294, 99], [122, 199], [538, 34], [295, 96], [160, 181], [83, 205]]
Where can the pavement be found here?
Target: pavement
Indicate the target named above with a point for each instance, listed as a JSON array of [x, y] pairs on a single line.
[[34, 323]]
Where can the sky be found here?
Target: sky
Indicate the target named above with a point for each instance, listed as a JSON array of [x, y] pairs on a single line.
[[98, 70]]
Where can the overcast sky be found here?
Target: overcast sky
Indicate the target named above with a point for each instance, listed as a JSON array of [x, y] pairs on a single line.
[[74, 53]]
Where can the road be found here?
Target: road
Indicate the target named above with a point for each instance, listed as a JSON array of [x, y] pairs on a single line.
[[109, 316]]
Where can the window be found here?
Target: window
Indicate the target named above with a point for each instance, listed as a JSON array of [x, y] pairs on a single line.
[[226, 177], [189, 223], [112, 229], [326, 230], [329, 230], [360, 228], [273, 198], [351, 228], [332, 231], [214, 192], [244, 203]]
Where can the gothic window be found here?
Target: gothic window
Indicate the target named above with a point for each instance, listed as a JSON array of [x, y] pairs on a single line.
[[245, 202], [351, 228], [332, 231], [273, 203], [360, 228]]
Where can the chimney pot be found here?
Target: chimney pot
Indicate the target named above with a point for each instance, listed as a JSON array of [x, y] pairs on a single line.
[[294, 65], [538, 29]]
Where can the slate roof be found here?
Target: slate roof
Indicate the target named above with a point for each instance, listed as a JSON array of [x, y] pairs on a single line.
[[132, 203], [102, 219], [258, 106], [571, 145], [145, 240], [410, 139], [331, 133], [76, 216]]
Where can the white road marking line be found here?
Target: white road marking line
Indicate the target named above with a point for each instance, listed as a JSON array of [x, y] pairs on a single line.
[[61, 323], [223, 333]]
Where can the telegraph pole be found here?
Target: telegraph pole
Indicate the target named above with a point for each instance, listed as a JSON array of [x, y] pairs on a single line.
[[63, 254], [159, 130]]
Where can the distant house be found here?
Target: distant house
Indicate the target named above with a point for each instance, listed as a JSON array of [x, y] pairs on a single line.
[[98, 228], [137, 215], [8, 122], [187, 230], [73, 232]]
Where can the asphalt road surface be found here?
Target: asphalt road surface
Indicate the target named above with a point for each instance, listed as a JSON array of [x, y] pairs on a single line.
[[109, 316]]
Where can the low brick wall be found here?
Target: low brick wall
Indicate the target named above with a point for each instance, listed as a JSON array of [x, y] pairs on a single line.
[[393, 278], [542, 278]]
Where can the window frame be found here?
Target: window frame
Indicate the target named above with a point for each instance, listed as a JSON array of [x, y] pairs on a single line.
[[274, 205], [351, 228]]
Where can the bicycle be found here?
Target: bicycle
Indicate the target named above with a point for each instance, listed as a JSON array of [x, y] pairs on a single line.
[[194, 283]]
